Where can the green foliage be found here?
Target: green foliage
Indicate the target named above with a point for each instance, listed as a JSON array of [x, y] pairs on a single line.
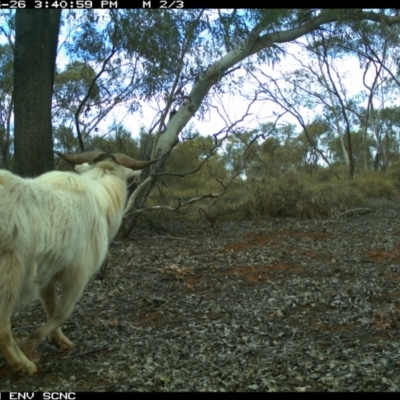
[[279, 180], [275, 184], [357, 142], [375, 184], [6, 69], [189, 156], [74, 82], [118, 141], [336, 170], [64, 140], [393, 172], [70, 88], [299, 196], [296, 194]]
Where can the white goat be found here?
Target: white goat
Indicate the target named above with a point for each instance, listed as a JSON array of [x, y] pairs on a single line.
[[56, 228]]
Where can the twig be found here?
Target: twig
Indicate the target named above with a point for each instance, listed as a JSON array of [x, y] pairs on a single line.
[[175, 237], [361, 211], [84, 353]]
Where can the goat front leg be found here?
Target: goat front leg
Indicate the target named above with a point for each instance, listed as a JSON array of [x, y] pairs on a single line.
[[49, 300]]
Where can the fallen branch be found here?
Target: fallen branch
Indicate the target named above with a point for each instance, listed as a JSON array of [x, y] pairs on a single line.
[[175, 237], [180, 205], [361, 211]]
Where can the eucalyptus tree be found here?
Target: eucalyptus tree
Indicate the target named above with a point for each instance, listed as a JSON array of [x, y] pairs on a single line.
[[322, 47], [377, 47], [382, 123], [378, 56], [315, 93]]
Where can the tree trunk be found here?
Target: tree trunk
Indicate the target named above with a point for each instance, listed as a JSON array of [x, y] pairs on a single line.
[[34, 64], [350, 152]]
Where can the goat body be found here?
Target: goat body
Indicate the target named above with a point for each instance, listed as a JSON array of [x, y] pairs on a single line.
[[54, 228]]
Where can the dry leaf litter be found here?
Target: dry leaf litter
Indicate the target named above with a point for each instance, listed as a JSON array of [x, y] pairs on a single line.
[[261, 305]]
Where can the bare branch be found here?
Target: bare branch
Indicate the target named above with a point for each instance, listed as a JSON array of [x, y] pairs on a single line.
[[286, 105], [180, 205], [84, 100]]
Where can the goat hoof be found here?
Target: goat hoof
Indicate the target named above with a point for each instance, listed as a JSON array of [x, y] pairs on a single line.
[[28, 368], [31, 368], [65, 346], [63, 343]]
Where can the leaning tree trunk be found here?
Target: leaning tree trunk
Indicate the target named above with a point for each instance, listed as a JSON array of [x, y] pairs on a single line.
[[34, 64]]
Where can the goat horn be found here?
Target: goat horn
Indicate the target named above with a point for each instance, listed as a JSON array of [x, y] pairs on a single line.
[[120, 158], [131, 163], [79, 158]]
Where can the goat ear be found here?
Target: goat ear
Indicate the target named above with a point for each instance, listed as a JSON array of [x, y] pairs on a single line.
[[131, 163], [82, 158]]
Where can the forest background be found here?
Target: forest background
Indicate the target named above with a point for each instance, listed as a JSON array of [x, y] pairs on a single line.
[[251, 112]]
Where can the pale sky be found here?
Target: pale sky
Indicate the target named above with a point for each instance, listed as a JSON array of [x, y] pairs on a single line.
[[234, 106]]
